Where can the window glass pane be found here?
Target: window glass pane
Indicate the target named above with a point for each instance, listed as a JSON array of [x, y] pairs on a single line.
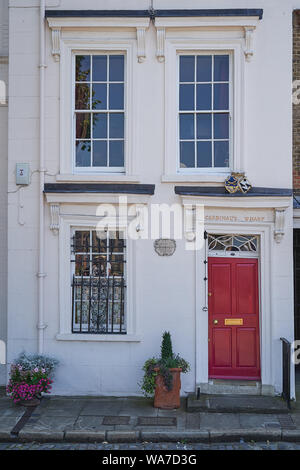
[[99, 126], [221, 96], [116, 96], [116, 125], [221, 68], [116, 68], [204, 155], [83, 68], [187, 155], [204, 68], [186, 97], [100, 153], [83, 125], [116, 153], [221, 154], [204, 126], [187, 130], [82, 266], [221, 126], [82, 96], [187, 68], [204, 97], [99, 68], [99, 98], [83, 153], [81, 241]]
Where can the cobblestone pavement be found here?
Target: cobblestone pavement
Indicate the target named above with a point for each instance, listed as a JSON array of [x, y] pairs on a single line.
[[148, 446]]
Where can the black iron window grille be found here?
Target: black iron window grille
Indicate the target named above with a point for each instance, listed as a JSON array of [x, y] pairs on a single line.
[[98, 282]]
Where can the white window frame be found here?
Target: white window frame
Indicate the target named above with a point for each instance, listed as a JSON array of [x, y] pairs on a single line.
[[124, 277], [189, 43], [102, 35], [67, 224], [92, 170], [201, 170]]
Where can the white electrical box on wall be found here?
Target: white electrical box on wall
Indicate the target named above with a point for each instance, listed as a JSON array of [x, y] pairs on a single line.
[[22, 173]]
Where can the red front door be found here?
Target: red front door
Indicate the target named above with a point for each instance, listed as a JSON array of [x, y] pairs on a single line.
[[233, 316]]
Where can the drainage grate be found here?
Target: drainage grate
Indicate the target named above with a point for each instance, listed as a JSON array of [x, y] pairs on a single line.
[[156, 421], [286, 422], [115, 420]]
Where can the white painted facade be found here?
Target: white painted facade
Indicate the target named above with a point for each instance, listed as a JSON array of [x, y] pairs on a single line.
[[164, 293], [3, 177]]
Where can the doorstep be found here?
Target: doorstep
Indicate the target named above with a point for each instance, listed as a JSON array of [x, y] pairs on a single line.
[[236, 404]]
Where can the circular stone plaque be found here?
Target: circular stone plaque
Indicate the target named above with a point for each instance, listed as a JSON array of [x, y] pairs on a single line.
[[165, 246]]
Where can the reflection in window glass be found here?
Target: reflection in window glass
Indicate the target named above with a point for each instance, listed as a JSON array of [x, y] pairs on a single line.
[[204, 110], [99, 110]]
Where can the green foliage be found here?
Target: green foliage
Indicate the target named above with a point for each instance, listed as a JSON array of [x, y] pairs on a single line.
[[161, 366], [148, 383], [166, 346]]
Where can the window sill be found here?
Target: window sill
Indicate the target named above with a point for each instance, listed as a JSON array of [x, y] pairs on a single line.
[[99, 338], [98, 178], [195, 178]]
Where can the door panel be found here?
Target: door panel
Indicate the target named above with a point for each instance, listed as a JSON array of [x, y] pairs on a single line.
[[222, 281], [246, 288], [222, 347], [233, 314], [246, 347]]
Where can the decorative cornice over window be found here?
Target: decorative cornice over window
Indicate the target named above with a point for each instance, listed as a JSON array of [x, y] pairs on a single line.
[[213, 19], [59, 22], [139, 19], [276, 199], [100, 188], [255, 12]]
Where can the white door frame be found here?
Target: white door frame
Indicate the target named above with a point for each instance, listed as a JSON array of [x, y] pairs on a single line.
[[263, 230]]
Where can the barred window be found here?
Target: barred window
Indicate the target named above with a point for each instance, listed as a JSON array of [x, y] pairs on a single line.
[[98, 282], [99, 111]]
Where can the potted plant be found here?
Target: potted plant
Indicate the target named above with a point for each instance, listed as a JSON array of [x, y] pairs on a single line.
[[162, 376], [29, 378]]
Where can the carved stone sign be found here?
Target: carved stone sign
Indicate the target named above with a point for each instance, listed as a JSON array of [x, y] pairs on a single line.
[[165, 246]]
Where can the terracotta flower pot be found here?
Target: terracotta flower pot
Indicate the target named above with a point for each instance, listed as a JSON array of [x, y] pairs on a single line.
[[164, 398]]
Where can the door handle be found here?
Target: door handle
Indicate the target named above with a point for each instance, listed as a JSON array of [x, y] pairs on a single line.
[[216, 322]]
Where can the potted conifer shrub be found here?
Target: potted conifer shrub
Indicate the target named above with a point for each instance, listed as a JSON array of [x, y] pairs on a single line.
[[162, 376]]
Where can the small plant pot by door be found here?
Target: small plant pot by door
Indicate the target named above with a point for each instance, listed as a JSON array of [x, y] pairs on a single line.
[[164, 398]]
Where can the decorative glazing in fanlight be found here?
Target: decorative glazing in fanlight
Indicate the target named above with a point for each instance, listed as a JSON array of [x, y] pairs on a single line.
[[239, 243]]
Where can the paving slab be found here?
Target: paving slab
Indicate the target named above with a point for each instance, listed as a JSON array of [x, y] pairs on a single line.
[[49, 424], [193, 421], [101, 408], [7, 424], [219, 421], [10, 410], [90, 423], [138, 408], [248, 420]]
